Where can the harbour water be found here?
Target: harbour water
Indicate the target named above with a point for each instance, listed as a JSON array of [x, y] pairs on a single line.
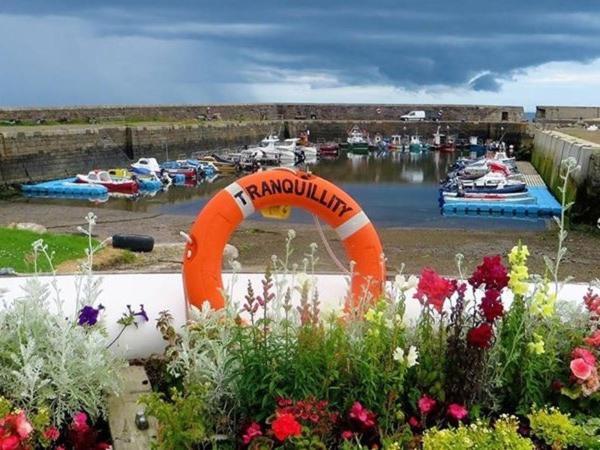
[[398, 190]]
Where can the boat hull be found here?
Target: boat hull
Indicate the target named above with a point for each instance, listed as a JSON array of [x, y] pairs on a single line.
[[358, 149]]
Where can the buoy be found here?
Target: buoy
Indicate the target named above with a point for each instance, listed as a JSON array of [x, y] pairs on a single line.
[[228, 208]]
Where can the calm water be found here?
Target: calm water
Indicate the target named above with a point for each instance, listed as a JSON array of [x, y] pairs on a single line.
[[394, 191]]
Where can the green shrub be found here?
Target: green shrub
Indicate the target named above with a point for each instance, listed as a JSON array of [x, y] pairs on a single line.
[[556, 429], [181, 419], [502, 436]]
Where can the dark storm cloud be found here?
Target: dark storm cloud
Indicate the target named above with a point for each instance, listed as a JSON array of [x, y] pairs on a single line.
[[421, 44]]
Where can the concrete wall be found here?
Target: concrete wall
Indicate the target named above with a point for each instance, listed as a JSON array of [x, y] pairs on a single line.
[[566, 113], [550, 149], [276, 111]]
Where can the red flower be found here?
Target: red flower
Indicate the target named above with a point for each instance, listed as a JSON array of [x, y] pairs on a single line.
[[362, 415], [491, 305], [481, 336], [592, 302], [594, 339], [414, 422], [457, 412], [433, 289], [51, 434], [285, 426], [11, 442], [253, 431], [490, 273], [426, 404], [586, 355]]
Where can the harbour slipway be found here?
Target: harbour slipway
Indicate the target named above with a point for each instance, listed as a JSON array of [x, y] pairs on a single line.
[[159, 292]]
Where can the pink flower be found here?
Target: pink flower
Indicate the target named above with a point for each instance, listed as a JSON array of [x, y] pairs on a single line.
[[361, 414], [581, 369], [457, 412], [21, 425], [80, 422], [594, 339], [51, 434], [414, 422], [253, 431], [585, 354], [426, 404], [433, 289], [347, 435]]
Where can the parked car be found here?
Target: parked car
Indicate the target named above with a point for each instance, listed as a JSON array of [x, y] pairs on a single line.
[[417, 116]]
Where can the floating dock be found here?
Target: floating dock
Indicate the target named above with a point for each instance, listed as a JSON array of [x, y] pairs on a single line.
[[545, 204]]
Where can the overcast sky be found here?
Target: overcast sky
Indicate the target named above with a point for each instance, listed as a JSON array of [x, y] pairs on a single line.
[[526, 52]]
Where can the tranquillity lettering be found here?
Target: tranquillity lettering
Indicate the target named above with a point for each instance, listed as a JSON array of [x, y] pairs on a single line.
[[302, 188]]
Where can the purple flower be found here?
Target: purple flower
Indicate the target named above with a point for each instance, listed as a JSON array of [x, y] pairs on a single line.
[[130, 316], [89, 315]]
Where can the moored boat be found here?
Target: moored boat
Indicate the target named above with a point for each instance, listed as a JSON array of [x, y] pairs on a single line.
[[357, 142], [103, 178]]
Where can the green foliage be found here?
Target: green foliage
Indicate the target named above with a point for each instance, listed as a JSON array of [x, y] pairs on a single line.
[[479, 436], [15, 249], [557, 429], [181, 418], [46, 360]]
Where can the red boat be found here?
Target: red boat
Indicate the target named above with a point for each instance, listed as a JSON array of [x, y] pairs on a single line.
[[103, 178], [448, 147], [330, 149]]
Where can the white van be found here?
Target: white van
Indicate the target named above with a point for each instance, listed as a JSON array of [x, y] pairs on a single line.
[[413, 116]]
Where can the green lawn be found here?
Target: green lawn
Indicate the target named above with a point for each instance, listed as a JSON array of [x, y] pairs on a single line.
[[16, 251]]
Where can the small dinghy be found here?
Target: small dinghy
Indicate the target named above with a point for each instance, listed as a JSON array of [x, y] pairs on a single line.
[[113, 185]]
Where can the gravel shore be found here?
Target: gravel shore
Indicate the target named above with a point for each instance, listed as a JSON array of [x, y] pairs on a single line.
[[257, 241]]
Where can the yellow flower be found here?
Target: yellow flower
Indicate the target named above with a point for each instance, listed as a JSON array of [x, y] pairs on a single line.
[[518, 269], [518, 255], [543, 303], [537, 346]]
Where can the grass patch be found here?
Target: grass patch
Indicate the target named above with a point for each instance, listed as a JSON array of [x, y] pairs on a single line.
[[16, 252]]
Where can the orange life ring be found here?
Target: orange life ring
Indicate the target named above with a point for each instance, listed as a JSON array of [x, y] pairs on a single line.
[[229, 207]]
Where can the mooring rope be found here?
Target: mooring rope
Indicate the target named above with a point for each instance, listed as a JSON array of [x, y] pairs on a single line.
[[328, 247]]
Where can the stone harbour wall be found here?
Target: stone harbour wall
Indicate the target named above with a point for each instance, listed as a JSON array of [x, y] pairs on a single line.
[[550, 149], [274, 111], [49, 152], [55, 153]]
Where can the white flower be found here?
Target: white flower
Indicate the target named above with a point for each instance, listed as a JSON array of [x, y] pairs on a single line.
[[412, 359], [291, 234], [399, 354], [404, 284]]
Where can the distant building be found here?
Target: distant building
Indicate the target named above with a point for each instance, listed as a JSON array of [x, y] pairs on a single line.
[[566, 113]]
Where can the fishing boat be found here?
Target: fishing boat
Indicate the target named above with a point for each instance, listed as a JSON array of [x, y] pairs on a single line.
[[416, 146], [103, 178], [329, 150], [476, 147], [396, 143], [357, 143]]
